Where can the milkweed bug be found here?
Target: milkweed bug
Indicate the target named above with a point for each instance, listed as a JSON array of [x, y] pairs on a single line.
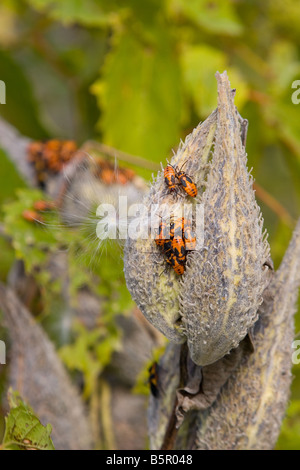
[[160, 238], [170, 240], [32, 216], [176, 265], [128, 173], [177, 228], [167, 248], [108, 176], [164, 233], [181, 228], [170, 177], [121, 178], [43, 205], [153, 379], [68, 149], [49, 157], [174, 241], [189, 236], [178, 248], [187, 184]]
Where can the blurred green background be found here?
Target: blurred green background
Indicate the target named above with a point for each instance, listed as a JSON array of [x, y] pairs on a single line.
[[139, 76]]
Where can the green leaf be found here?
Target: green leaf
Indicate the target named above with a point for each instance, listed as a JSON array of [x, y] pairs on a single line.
[[290, 431], [145, 11], [21, 109], [283, 115], [9, 177], [139, 94], [199, 64], [89, 353], [86, 12], [141, 386], [23, 430], [215, 16], [8, 30], [285, 15], [32, 241], [285, 67]]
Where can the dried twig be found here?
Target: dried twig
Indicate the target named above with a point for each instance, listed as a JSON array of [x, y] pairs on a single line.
[[119, 155], [274, 205], [16, 146]]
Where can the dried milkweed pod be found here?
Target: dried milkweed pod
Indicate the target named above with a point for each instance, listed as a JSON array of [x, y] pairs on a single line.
[[249, 411], [223, 285], [239, 401], [214, 303], [155, 289]]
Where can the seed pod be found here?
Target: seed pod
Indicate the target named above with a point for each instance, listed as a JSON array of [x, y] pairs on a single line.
[[249, 412], [153, 286], [215, 302], [223, 285], [242, 398]]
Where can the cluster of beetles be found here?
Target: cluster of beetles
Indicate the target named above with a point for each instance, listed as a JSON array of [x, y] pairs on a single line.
[[176, 238], [49, 157]]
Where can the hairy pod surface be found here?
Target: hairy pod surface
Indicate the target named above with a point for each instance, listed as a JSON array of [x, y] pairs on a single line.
[[224, 282], [215, 302], [240, 408], [249, 411], [154, 288]]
